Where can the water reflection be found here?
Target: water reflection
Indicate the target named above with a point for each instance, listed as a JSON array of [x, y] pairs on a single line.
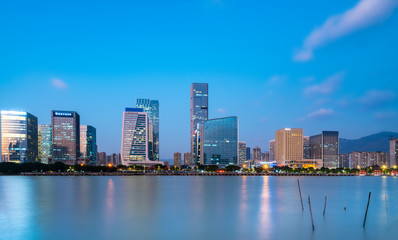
[[264, 216]]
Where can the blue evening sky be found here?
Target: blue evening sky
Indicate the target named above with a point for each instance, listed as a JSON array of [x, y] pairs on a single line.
[[317, 65]]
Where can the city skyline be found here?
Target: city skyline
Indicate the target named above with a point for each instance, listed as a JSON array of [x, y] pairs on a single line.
[[270, 75]]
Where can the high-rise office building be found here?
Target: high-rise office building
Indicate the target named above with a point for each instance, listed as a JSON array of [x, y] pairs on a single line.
[[65, 135], [325, 147], [88, 144], [152, 108], [220, 140], [199, 114], [44, 141], [242, 152], [306, 147], [288, 145], [135, 132], [256, 153], [19, 137], [393, 153], [188, 158], [177, 159], [248, 153], [272, 150]]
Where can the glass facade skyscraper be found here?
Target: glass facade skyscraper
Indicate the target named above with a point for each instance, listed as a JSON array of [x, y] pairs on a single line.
[[65, 133], [45, 143], [19, 137], [220, 140], [199, 114], [325, 146], [88, 144], [152, 108], [134, 136]]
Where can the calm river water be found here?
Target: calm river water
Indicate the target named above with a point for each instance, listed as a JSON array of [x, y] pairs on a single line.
[[201, 207]]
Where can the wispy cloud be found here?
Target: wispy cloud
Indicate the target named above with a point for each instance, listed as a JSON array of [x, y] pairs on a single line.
[[277, 79], [363, 14], [385, 115], [321, 113], [376, 98], [326, 87], [59, 84], [221, 110]]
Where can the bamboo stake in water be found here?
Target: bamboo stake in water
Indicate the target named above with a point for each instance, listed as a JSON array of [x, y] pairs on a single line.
[[302, 206], [367, 207], [345, 208], [312, 220], [386, 203], [324, 208]]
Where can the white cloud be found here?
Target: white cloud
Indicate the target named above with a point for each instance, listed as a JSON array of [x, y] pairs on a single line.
[[321, 113], [277, 79], [326, 87], [222, 110], [59, 84], [385, 115], [375, 98], [363, 14]]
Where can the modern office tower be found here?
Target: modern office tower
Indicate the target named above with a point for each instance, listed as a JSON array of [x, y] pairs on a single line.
[[101, 159], [19, 137], [288, 145], [344, 160], [325, 146], [220, 140], [242, 152], [88, 144], [65, 135], [44, 141], [187, 158], [265, 157], [134, 147], [248, 153], [177, 159], [272, 150], [306, 147], [199, 114], [152, 108], [393, 153], [256, 153]]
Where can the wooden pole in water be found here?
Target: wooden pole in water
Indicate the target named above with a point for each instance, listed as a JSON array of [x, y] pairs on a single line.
[[324, 208], [386, 203], [367, 207], [345, 208], [302, 206], [312, 220]]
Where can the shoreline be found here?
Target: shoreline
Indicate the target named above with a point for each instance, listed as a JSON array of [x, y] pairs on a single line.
[[180, 174]]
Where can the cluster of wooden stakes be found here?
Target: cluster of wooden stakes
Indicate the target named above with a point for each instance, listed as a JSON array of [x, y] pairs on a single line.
[[324, 208]]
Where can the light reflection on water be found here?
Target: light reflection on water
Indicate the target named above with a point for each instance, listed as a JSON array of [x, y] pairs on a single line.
[[183, 207]]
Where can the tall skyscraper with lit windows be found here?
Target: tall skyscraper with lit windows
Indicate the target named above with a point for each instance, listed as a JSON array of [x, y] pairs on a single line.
[[288, 145], [19, 137], [88, 144], [65, 134], [199, 114], [45, 144], [152, 108], [325, 147], [220, 141], [242, 152]]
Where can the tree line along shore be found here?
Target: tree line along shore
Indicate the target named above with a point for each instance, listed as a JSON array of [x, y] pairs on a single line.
[[59, 168]]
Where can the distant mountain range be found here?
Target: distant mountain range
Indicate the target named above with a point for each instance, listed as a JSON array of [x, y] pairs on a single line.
[[372, 143]]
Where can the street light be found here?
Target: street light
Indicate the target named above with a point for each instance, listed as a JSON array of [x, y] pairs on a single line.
[[109, 164]]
